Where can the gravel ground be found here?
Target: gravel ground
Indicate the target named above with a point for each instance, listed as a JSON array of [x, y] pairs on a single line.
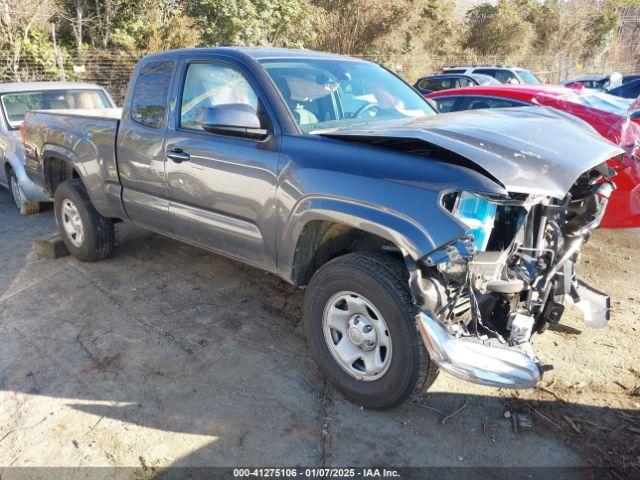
[[592, 397], [166, 355]]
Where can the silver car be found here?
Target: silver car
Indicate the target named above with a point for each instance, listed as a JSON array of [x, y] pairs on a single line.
[[15, 100]]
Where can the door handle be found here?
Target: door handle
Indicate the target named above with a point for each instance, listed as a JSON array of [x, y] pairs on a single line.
[[177, 155]]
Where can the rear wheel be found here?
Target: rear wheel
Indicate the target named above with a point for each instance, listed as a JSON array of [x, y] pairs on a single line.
[[25, 207], [87, 235], [359, 320]]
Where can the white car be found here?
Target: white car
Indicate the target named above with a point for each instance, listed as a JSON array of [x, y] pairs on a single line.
[[502, 74], [15, 100]]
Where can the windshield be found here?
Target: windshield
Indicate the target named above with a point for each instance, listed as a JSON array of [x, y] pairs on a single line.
[[16, 105], [527, 76], [328, 93], [602, 101]]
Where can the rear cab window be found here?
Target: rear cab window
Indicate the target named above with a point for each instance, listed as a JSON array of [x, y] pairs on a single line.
[[149, 100]]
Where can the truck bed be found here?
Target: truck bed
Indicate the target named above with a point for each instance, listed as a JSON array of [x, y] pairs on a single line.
[[85, 137]]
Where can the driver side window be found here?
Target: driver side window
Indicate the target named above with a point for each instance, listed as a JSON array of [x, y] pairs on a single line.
[[208, 85]]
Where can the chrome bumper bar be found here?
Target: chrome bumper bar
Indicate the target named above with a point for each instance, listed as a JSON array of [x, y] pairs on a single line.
[[475, 362]]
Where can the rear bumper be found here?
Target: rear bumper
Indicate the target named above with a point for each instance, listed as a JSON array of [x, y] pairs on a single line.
[[33, 193], [476, 362]]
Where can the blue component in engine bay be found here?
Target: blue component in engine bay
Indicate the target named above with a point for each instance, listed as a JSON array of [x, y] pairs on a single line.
[[479, 214]]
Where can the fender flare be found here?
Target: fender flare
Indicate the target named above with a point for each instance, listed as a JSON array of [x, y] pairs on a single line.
[[104, 196], [409, 236], [68, 156]]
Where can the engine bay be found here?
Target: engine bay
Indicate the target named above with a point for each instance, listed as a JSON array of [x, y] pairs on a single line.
[[514, 272]]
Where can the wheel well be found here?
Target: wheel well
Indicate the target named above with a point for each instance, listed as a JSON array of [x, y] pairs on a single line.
[[56, 171], [321, 241]]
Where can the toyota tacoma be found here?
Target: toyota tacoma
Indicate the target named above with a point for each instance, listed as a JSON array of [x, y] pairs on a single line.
[[425, 241]]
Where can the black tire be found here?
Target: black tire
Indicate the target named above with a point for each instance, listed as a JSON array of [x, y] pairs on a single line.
[[382, 280], [24, 207], [98, 230]]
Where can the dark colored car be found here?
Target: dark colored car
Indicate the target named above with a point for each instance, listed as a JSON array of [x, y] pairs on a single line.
[[596, 82], [435, 83], [423, 240], [627, 90]]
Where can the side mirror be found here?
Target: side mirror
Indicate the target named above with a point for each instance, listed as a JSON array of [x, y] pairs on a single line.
[[235, 120]]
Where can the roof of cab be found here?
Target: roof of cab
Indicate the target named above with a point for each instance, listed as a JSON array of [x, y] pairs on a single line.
[[257, 53], [17, 87]]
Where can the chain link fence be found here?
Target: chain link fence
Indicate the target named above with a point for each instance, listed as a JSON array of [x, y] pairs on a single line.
[[112, 71], [550, 69], [109, 70]]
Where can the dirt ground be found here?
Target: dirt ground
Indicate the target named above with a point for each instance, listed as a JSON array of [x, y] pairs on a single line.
[[596, 376], [166, 355]]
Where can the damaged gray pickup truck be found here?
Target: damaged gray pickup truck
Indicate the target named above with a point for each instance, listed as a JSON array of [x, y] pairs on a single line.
[[425, 241]]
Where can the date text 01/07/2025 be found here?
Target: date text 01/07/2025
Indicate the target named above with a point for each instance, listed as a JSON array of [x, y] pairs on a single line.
[[315, 473]]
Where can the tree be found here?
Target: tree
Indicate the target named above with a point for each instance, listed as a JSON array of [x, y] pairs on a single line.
[[105, 14], [500, 30], [285, 23], [77, 14], [153, 25], [358, 27], [437, 28], [20, 33]]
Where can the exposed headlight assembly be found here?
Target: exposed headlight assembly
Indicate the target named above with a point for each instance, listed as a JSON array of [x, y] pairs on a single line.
[[479, 214]]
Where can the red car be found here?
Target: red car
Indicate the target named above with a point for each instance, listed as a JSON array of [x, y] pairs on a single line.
[[607, 114]]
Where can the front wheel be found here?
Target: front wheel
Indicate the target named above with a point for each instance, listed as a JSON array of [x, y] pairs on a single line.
[[359, 321], [87, 235]]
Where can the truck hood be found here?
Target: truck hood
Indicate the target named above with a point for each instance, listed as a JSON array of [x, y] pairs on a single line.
[[532, 150]]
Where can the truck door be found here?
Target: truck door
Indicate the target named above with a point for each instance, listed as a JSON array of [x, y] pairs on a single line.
[[221, 187], [140, 153]]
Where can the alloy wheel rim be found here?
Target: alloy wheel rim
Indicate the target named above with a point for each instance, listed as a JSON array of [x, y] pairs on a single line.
[[72, 223], [357, 336]]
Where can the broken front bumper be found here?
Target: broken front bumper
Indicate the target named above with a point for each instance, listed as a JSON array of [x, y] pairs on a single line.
[[476, 362], [496, 366]]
